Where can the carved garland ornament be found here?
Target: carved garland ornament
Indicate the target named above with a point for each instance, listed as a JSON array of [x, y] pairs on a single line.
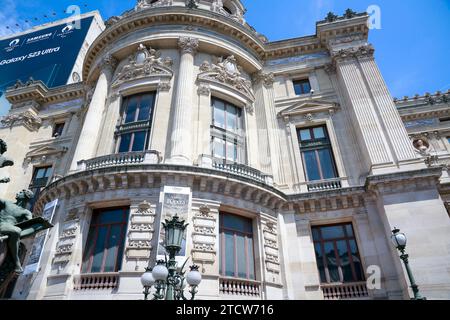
[[145, 62], [354, 52], [27, 118], [227, 72]]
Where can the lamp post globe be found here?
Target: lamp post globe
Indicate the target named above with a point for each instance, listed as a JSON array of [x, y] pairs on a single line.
[[194, 277], [147, 279], [399, 239], [160, 271]]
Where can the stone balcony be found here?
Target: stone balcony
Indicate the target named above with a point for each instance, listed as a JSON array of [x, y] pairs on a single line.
[[233, 289], [345, 291]]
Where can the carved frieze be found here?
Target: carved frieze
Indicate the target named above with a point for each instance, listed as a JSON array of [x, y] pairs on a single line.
[[359, 52], [141, 231], [271, 250], [144, 4], [226, 72], [204, 236], [67, 238], [144, 63]]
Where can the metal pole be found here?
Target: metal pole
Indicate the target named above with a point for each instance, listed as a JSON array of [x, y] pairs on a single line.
[[414, 286]]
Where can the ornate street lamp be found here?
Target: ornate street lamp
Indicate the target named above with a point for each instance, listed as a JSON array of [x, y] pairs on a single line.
[[165, 277], [399, 240]]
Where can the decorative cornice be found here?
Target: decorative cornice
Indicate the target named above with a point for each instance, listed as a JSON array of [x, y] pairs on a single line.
[[188, 45], [28, 119]]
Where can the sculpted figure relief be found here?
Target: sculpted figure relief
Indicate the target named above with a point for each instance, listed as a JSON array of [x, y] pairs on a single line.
[[4, 160]]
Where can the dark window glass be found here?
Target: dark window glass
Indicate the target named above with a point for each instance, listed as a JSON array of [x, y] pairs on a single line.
[[58, 129], [41, 175], [104, 246], [317, 154], [136, 122], [302, 87], [337, 254], [236, 243]]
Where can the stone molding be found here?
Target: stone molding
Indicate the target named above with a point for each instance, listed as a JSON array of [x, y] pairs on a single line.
[[226, 72], [28, 119], [204, 236], [188, 45], [145, 62], [271, 247], [359, 52], [140, 232]]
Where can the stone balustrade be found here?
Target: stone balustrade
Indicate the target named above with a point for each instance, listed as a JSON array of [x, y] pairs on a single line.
[[356, 290], [323, 185], [96, 281], [240, 287], [129, 158]]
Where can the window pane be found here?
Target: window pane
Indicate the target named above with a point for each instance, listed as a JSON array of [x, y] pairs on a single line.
[[88, 249], [113, 247], [251, 258], [231, 151], [306, 87], [344, 260], [356, 260], [219, 114], [111, 216], [332, 232], [145, 107], [232, 118], [331, 262], [125, 141], [99, 250], [326, 163], [241, 259], [319, 133], [305, 135], [130, 115], [237, 223], [312, 168], [229, 254], [315, 233], [40, 173], [219, 148], [319, 258], [349, 230], [139, 141]]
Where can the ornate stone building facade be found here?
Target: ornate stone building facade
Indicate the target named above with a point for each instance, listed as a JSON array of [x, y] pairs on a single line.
[[294, 157]]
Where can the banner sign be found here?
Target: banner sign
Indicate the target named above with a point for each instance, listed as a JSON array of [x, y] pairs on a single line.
[[175, 201], [37, 249], [48, 55]]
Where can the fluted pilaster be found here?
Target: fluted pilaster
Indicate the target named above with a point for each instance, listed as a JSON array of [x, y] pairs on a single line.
[[181, 139]]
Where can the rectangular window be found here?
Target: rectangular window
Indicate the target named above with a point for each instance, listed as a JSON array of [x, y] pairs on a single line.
[[237, 258], [105, 242], [58, 129], [317, 154], [337, 254], [133, 133], [302, 87], [41, 176], [227, 131]]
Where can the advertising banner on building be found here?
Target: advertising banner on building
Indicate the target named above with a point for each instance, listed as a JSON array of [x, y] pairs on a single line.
[[48, 54], [39, 241], [174, 201]]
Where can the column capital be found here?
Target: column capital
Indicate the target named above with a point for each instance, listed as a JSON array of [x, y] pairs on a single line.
[[188, 45], [108, 63], [357, 52], [267, 78]]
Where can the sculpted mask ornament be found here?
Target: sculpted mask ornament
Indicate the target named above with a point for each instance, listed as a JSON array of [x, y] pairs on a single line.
[[422, 146]]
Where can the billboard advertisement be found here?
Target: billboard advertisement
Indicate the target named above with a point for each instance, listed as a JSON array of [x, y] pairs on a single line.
[[48, 54]]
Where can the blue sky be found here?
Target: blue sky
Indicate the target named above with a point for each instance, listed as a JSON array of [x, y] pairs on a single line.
[[412, 47]]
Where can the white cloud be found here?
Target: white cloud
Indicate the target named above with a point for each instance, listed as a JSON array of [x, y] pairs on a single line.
[[9, 16]]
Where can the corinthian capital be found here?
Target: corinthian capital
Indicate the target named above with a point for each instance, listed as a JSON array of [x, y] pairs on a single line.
[[188, 45], [267, 78], [108, 63], [363, 51]]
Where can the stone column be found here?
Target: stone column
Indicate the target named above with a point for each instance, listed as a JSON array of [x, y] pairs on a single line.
[[181, 139], [90, 132]]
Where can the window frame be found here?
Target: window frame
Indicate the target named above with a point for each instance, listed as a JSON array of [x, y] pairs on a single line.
[[316, 145], [334, 241], [136, 126], [57, 125], [222, 242], [235, 137], [303, 81], [96, 227]]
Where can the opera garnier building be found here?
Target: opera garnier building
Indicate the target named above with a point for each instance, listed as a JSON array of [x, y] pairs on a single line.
[[290, 162]]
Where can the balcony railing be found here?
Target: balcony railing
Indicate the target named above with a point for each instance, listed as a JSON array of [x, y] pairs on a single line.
[[323, 185], [129, 158], [240, 287], [356, 290], [96, 281]]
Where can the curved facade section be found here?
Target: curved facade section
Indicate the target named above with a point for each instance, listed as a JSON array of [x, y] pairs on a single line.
[[289, 160]]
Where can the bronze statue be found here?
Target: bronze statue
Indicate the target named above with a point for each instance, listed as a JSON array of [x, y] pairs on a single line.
[[16, 223]]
